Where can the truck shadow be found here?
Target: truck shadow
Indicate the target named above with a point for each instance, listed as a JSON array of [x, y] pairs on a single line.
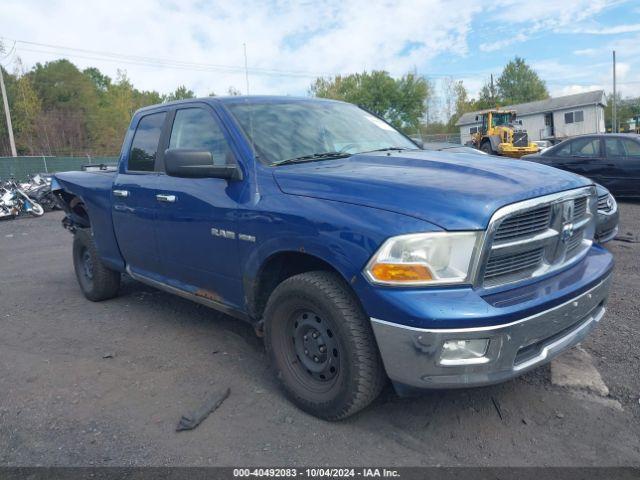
[[189, 313], [174, 312]]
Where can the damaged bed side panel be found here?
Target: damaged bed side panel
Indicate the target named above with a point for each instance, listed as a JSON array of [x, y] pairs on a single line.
[[90, 192]]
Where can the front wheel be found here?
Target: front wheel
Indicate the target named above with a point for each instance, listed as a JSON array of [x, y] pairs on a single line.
[[486, 148], [96, 281], [322, 346], [36, 209]]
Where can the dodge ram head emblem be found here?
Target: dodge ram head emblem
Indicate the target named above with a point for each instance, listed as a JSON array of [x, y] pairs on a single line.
[[567, 232]]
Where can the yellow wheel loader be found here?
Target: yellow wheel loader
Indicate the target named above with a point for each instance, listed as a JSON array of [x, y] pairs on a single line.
[[502, 134]]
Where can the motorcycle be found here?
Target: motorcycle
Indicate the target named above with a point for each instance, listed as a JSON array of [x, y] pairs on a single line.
[[14, 201], [39, 189]]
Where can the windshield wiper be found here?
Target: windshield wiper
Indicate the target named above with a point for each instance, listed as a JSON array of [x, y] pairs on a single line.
[[388, 149], [313, 156]]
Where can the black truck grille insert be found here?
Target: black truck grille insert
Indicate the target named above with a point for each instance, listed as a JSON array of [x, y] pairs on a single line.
[[520, 139], [524, 224], [497, 266], [579, 208]]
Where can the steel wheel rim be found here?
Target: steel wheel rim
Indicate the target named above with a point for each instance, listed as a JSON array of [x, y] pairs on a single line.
[[314, 354]]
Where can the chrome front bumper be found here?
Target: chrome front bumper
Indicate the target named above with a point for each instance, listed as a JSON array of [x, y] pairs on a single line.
[[411, 356]]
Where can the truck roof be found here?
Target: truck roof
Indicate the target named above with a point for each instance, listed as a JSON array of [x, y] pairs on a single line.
[[231, 99]]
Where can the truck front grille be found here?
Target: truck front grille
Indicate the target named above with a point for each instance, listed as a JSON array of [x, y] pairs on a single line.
[[520, 139], [579, 208], [499, 267], [538, 236], [525, 223]]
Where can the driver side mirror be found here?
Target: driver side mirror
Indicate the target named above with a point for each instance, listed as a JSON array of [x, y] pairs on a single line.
[[189, 163]]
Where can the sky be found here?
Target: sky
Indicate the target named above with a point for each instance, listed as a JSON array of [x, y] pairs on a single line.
[[200, 44]]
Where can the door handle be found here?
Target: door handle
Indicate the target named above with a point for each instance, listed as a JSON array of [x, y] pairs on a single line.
[[166, 198], [121, 193]]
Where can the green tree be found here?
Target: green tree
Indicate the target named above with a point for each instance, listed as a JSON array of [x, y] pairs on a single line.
[[402, 102], [69, 102], [26, 112], [410, 104], [100, 80], [58, 109], [456, 102], [113, 116], [180, 93], [487, 97], [519, 83], [626, 109]]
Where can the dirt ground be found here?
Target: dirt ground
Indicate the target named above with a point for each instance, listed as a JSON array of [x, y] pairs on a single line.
[[86, 383]]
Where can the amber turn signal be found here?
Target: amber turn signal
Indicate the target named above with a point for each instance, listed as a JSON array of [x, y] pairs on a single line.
[[398, 272]]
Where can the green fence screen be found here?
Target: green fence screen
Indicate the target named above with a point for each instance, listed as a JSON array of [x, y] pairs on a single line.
[[21, 167]]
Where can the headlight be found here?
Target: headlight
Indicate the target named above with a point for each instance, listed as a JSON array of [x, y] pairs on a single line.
[[424, 259]]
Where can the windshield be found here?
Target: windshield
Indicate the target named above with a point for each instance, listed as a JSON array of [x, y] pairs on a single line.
[[290, 130], [499, 119]]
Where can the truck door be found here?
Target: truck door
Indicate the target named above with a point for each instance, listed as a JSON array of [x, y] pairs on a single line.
[[134, 196], [197, 229]]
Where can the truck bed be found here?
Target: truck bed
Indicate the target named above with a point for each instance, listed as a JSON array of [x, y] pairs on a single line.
[[91, 191]]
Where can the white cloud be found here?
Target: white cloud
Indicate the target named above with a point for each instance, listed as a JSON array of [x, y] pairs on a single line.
[[587, 52], [614, 30], [500, 44], [316, 37], [571, 89], [310, 38], [622, 70], [547, 14]]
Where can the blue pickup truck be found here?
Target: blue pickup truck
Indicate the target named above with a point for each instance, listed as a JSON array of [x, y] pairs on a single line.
[[358, 256]]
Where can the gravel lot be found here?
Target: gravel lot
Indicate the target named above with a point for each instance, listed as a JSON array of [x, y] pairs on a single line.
[[63, 403]]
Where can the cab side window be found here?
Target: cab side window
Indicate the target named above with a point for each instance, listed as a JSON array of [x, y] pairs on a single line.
[[144, 146], [195, 128]]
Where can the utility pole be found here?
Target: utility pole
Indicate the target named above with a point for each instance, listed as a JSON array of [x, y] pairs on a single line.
[[614, 123], [7, 114], [246, 70], [492, 95]]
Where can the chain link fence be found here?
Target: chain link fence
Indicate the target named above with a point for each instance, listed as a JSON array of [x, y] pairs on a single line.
[[21, 167], [441, 138]]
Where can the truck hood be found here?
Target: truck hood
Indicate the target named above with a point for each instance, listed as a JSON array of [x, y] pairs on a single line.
[[452, 190]]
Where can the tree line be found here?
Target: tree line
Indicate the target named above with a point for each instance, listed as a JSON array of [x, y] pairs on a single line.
[[58, 109], [411, 103]]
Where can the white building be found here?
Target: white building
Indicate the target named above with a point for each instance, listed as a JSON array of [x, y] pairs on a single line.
[[551, 119]]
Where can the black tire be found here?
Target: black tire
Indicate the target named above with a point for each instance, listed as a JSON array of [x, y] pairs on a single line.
[[96, 281], [486, 148], [312, 311]]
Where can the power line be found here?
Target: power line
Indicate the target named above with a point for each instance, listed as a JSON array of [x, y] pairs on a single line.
[[155, 62]]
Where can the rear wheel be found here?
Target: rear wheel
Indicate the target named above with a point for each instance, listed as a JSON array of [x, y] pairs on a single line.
[[96, 281], [322, 346]]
